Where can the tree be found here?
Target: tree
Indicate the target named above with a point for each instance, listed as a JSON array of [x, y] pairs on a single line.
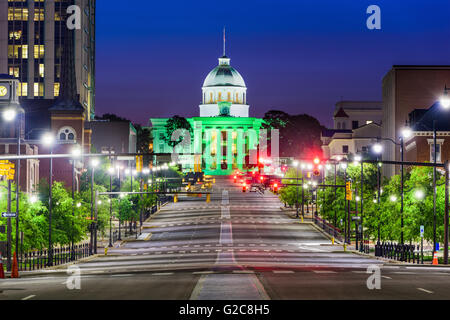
[[111, 117], [299, 134], [176, 123]]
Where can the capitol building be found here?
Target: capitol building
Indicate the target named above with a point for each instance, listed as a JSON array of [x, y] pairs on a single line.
[[223, 135]]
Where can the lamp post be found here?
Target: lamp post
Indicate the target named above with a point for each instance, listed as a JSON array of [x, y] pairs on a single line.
[[94, 164], [302, 166], [76, 152], [111, 172], [48, 140], [10, 115]]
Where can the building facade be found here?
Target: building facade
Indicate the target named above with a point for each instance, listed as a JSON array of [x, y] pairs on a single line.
[[31, 40], [406, 88], [420, 146], [225, 138]]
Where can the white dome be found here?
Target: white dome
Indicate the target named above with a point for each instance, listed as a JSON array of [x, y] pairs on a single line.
[[224, 75]]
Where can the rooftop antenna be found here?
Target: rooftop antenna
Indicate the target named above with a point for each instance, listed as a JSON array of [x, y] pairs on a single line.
[[224, 41]]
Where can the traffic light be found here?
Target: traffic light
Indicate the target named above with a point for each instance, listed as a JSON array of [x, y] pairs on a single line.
[[275, 187], [316, 170]]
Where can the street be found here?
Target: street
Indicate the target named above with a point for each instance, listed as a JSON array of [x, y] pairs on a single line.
[[238, 246]]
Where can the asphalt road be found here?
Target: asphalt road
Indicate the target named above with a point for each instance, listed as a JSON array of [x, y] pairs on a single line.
[[238, 246]]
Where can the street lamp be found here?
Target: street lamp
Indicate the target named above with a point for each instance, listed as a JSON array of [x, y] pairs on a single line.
[[49, 140], [94, 163], [419, 194], [445, 99]]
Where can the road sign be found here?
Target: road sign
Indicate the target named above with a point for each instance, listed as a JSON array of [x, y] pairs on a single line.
[[9, 214], [139, 163], [348, 188], [422, 228]]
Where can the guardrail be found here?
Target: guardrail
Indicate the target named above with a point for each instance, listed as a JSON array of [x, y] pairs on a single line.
[[328, 228]]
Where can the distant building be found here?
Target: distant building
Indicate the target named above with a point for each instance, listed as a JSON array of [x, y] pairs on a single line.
[[32, 35], [406, 88], [339, 144], [357, 124], [117, 136], [349, 115], [420, 146]]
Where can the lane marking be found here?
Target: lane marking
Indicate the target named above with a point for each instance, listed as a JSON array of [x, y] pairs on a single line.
[[282, 271], [244, 271], [386, 277], [29, 297], [203, 272], [323, 271], [425, 290]]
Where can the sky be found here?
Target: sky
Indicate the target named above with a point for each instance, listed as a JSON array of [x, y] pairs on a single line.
[[294, 55]]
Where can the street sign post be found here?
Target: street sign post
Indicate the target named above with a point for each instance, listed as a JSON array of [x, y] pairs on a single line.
[[422, 228], [9, 214]]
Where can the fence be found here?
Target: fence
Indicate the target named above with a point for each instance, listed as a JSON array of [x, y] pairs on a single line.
[[328, 228], [399, 252], [35, 260]]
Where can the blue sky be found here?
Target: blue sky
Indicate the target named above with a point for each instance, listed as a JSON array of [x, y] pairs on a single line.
[[296, 56]]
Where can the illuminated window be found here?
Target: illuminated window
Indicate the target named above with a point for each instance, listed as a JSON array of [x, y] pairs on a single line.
[[38, 14], [237, 97], [39, 51], [41, 70], [25, 51], [56, 89], [23, 89], [17, 35], [220, 96], [229, 96], [14, 71], [38, 89], [66, 134], [17, 14], [211, 100]]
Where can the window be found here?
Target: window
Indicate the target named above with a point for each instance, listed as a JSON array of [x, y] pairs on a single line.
[[364, 149], [339, 125], [38, 89], [66, 134], [41, 70], [211, 97], [17, 14], [343, 126], [345, 149], [220, 96], [17, 35], [39, 51], [229, 96], [438, 153], [355, 124], [23, 89], [56, 89], [14, 71]]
